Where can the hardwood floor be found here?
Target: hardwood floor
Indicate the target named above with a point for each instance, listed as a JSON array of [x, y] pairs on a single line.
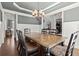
[[8, 48]]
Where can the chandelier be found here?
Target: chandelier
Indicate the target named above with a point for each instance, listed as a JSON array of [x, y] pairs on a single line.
[[38, 13]]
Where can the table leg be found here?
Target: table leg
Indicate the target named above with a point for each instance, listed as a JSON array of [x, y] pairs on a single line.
[[48, 52]]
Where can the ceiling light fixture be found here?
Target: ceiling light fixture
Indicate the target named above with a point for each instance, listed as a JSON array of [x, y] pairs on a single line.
[[38, 13]]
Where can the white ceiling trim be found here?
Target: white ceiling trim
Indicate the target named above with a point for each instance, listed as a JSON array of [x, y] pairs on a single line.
[[63, 9], [21, 7], [51, 6], [18, 13]]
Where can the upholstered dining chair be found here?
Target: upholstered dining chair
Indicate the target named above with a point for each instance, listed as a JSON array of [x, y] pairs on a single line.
[[44, 31], [27, 30], [52, 31], [8, 33], [25, 48], [65, 50]]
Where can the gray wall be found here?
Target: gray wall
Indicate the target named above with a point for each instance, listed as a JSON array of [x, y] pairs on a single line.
[[71, 15], [27, 20]]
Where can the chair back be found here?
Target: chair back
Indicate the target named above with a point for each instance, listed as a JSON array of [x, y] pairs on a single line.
[[8, 33], [45, 31], [21, 44], [52, 31], [70, 48], [27, 31]]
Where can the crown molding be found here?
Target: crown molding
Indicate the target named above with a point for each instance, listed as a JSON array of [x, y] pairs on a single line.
[[24, 9], [18, 13], [63, 9], [51, 6]]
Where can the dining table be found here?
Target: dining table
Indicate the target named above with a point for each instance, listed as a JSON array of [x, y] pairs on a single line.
[[46, 40]]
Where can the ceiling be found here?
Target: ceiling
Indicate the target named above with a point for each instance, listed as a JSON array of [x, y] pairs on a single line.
[[34, 5], [28, 7]]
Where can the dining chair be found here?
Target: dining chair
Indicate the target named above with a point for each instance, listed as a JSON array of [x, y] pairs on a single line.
[[8, 33], [45, 31], [65, 50], [25, 48], [27, 30], [21, 44], [52, 31]]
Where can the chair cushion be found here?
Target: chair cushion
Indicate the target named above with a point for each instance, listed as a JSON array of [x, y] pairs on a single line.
[[31, 47], [58, 50]]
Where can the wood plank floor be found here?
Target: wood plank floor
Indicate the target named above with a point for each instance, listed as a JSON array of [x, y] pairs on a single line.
[[8, 48]]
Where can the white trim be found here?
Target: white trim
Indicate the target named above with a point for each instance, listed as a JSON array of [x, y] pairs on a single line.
[[62, 21], [42, 23], [63, 9], [1, 5], [18, 13], [16, 21], [3, 27], [16, 5], [51, 6], [0, 45], [15, 25]]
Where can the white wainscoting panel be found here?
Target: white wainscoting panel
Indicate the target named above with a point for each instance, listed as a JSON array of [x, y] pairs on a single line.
[[34, 28], [68, 28]]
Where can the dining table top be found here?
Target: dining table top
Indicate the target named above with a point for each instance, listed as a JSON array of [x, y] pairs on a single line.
[[46, 40]]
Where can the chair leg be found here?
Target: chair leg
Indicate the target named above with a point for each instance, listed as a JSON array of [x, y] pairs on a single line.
[[62, 43], [42, 51]]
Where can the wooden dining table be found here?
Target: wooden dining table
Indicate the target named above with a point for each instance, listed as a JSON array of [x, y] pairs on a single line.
[[46, 40]]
